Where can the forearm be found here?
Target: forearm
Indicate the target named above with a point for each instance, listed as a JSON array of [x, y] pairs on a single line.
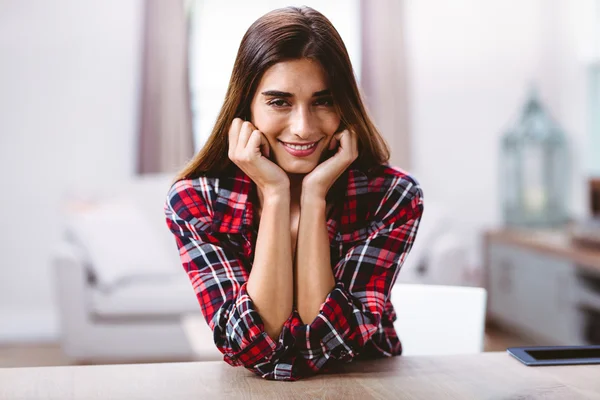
[[270, 284], [313, 273]]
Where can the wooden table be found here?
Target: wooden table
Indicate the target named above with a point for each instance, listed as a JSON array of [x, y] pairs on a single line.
[[481, 376]]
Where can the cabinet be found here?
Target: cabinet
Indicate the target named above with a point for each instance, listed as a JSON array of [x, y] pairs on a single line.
[[538, 284]]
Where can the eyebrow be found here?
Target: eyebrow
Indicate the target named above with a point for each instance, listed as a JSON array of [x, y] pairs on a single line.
[[277, 93]]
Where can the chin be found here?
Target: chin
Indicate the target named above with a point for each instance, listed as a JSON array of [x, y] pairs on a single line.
[[299, 168], [293, 165]]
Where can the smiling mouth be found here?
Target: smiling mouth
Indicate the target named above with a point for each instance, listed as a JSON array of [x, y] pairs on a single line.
[[300, 147], [300, 151]]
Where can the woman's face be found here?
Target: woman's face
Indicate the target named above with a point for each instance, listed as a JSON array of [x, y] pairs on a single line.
[[293, 105]]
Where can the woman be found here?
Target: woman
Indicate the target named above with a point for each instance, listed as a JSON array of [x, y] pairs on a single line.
[[290, 223]]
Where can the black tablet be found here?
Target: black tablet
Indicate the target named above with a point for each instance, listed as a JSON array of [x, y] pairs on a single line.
[[556, 355]]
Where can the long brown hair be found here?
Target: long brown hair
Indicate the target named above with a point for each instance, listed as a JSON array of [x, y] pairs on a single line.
[[286, 34]]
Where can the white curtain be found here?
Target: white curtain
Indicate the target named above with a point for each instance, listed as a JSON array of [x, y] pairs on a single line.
[[383, 74], [165, 135]]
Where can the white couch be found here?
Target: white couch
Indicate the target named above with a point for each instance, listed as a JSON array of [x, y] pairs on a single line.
[[439, 255], [122, 290]]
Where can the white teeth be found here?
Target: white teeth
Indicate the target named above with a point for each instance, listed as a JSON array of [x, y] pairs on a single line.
[[295, 147]]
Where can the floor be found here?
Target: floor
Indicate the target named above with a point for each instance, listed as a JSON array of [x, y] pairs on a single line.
[[37, 355]]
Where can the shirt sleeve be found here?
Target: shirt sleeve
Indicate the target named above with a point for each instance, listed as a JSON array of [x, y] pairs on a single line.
[[352, 312], [219, 279]]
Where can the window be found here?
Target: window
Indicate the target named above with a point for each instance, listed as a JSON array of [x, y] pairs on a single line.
[[216, 30]]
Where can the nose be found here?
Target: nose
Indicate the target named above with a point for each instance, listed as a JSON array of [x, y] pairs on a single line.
[[304, 124]]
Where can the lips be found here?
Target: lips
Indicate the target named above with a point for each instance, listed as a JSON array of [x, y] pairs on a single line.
[[300, 153]]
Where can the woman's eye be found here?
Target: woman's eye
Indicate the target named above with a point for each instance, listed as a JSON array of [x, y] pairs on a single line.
[[324, 102], [278, 103]]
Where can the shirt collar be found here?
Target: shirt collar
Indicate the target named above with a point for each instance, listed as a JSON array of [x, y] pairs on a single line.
[[234, 211]]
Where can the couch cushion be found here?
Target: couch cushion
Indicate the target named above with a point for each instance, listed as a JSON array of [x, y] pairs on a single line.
[[119, 241], [146, 193], [146, 297]]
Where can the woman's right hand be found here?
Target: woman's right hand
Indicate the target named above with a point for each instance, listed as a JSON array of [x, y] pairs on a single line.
[[246, 146]]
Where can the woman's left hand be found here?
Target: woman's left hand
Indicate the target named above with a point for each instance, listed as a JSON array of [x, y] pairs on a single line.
[[319, 181]]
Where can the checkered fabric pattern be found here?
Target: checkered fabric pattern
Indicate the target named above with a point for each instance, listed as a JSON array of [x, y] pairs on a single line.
[[371, 231]]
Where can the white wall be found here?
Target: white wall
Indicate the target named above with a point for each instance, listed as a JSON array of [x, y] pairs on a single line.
[[568, 29], [69, 73], [470, 65]]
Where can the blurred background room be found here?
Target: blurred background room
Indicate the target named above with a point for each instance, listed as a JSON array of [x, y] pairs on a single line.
[[493, 105]]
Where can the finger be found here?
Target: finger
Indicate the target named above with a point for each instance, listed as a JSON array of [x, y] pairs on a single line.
[[265, 144], [348, 143], [345, 139], [245, 133], [335, 140], [257, 141], [234, 131]]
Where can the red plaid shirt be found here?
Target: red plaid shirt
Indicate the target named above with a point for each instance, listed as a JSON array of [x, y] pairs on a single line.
[[371, 231]]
